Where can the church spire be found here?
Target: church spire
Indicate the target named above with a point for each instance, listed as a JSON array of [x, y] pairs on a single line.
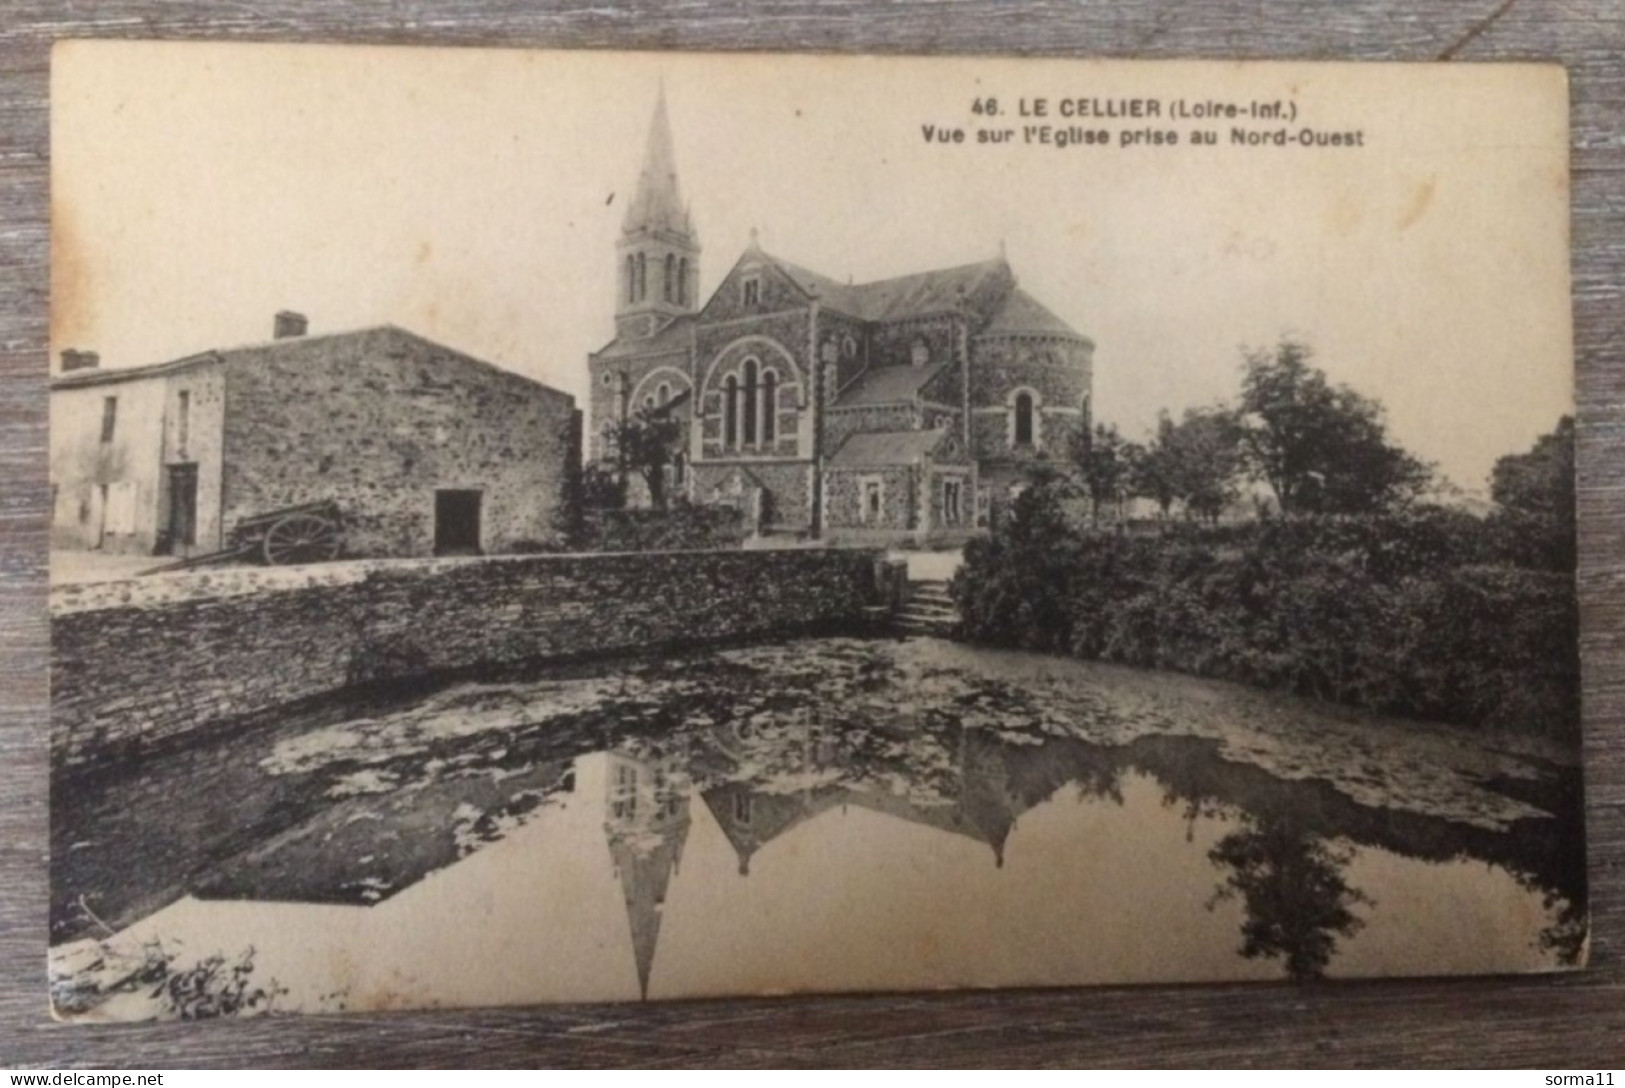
[[658, 203], [658, 254]]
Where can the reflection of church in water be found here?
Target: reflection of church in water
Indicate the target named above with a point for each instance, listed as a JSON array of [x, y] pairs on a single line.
[[647, 813], [979, 805]]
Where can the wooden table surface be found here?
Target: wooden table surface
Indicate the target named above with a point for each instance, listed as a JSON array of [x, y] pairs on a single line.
[[1568, 1021]]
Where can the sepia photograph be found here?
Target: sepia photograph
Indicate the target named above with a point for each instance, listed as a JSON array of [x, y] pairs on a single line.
[[538, 527]]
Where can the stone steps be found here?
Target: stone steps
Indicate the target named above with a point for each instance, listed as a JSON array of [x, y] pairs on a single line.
[[929, 610]]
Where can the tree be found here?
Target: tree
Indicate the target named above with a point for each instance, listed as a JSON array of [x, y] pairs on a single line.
[[1208, 442], [643, 443], [1321, 448], [1535, 493], [1196, 461], [1156, 476], [1540, 482], [1104, 463]]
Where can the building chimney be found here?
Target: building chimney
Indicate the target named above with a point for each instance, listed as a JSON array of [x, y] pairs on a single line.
[[289, 324], [74, 359]]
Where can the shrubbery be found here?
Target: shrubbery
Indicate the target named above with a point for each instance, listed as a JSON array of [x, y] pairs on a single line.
[[682, 527], [1437, 615]]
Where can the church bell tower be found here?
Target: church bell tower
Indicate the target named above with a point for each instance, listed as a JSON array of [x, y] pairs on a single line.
[[658, 254]]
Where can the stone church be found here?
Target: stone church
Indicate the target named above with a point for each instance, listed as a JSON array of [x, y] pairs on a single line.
[[903, 409]]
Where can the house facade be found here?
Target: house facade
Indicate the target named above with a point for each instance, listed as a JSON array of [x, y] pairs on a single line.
[[903, 408], [425, 450]]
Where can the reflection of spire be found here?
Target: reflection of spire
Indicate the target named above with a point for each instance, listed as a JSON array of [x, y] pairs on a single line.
[[657, 204], [647, 824]]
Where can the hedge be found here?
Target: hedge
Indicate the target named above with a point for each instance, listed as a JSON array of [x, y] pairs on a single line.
[[1400, 615]]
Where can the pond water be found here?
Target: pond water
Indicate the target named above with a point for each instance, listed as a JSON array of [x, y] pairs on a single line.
[[813, 815]]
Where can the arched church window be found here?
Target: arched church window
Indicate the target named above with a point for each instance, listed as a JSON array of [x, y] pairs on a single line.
[[849, 347], [1024, 419], [643, 278], [631, 278], [730, 412], [682, 282], [679, 468], [770, 407], [670, 294], [663, 394], [750, 402]]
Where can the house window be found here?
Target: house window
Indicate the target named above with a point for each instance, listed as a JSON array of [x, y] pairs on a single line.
[[952, 491], [750, 402], [770, 408], [1023, 423], [183, 420], [730, 412], [753, 291], [109, 417], [872, 496], [919, 354]]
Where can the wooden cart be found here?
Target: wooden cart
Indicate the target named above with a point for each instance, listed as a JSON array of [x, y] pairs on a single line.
[[309, 533]]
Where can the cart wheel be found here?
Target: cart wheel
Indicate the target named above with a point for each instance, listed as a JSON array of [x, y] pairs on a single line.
[[301, 538]]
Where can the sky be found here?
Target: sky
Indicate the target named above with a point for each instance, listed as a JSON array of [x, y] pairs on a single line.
[[475, 197]]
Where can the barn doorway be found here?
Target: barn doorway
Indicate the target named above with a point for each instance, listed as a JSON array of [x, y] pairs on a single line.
[[180, 529], [457, 522]]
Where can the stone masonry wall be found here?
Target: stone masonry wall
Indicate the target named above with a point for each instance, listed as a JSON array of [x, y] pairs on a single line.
[[379, 421], [141, 665], [843, 498]]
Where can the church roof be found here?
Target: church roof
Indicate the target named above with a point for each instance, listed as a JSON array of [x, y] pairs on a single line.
[[887, 385], [844, 297], [1021, 313], [941, 290], [677, 335], [931, 292], [868, 449], [657, 204]]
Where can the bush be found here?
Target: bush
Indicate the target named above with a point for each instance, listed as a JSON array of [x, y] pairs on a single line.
[[1437, 614], [680, 528]]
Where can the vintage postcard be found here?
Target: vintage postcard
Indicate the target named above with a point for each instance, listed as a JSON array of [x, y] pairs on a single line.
[[542, 526]]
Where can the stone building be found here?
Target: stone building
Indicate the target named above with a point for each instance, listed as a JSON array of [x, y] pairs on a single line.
[[426, 450], [904, 408]]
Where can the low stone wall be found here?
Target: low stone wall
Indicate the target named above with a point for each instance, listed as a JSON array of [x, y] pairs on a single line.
[[138, 665]]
